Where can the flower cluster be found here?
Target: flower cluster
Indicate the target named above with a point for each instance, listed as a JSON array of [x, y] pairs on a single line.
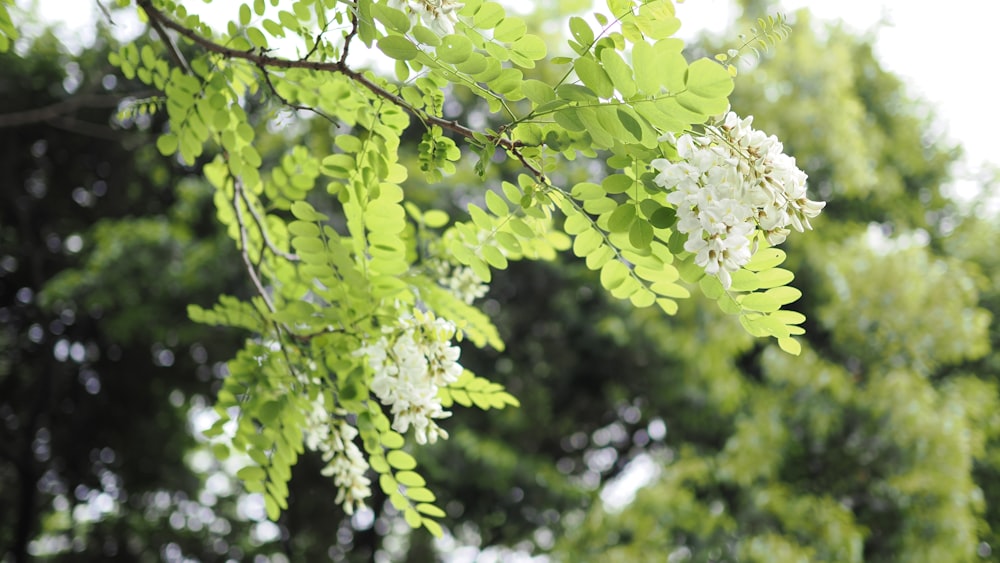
[[334, 439], [460, 280], [411, 362], [440, 16], [731, 182]]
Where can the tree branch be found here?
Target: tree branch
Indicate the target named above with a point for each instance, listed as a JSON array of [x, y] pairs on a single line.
[[263, 231], [175, 53], [58, 109], [263, 60], [244, 253], [285, 101]]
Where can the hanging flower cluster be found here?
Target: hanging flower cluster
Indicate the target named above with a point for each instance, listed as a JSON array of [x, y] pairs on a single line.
[[334, 439], [411, 362], [440, 16], [731, 182], [461, 281]]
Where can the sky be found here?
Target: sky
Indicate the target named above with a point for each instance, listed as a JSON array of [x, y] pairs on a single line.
[[942, 52]]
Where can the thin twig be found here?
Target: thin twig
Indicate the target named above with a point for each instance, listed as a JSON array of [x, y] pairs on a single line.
[[263, 231], [347, 38], [286, 102], [244, 254], [167, 40], [264, 60], [319, 39]]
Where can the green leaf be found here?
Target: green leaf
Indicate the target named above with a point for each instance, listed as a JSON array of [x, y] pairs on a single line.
[[257, 38], [420, 494], [783, 295], [410, 479], [619, 72], [433, 527], [531, 47], [430, 510], [593, 76], [587, 242], [489, 15], [581, 31], [397, 47], [537, 91], [774, 278], [617, 184], [613, 274], [272, 508], [303, 211], [496, 204], [401, 460], [708, 79], [759, 302], [640, 234], [510, 29], [412, 517], [392, 440], [244, 14], [765, 259], [790, 345], [251, 473], [621, 219], [391, 17], [435, 218], [167, 144], [454, 48], [663, 218]]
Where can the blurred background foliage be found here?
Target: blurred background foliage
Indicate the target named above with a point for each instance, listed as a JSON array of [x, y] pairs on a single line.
[[879, 443]]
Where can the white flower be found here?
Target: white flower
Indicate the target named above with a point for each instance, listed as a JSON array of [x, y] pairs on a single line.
[[411, 364], [334, 440], [440, 16], [347, 466], [730, 183]]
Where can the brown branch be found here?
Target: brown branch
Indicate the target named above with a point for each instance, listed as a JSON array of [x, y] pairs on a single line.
[[175, 53], [85, 128], [264, 60], [350, 35], [58, 109]]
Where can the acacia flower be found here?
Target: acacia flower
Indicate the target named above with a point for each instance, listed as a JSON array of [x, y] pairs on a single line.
[[440, 16], [727, 185]]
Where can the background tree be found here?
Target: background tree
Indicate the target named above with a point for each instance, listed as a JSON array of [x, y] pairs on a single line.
[[866, 447], [840, 455]]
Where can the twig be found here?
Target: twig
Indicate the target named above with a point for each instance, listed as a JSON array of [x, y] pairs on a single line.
[[244, 254], [286, 102], [171, 48], [263, 231], [347, 38], [264, 60], [319, 38]]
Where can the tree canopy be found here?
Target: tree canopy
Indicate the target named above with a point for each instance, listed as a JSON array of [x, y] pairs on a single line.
[[399, 209]]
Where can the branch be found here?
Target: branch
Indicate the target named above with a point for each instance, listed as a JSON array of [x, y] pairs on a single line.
[[171, 48], [263, 232], [58, 109], [264, 60], [347, 38], [285, 101], [244, 254]]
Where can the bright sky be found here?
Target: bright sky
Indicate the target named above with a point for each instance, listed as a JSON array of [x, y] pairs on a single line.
[[941, 51]]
